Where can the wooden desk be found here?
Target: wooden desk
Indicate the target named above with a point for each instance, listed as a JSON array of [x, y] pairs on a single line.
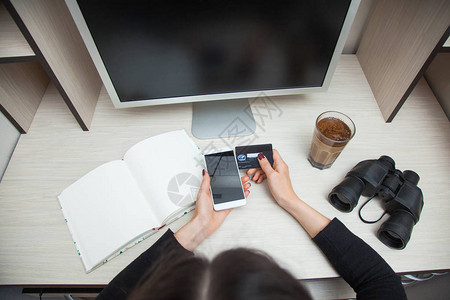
[[35, 244]]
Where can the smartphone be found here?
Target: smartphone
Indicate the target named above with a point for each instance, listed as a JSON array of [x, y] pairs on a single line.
[[226, 186]]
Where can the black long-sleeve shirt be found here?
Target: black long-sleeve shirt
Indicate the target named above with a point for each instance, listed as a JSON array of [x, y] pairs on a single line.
[[363, 268]]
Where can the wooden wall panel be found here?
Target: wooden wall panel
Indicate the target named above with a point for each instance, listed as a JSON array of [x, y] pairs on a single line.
[[22, 86], [54, 37], [13, 46], [438, 77], [398, 42]]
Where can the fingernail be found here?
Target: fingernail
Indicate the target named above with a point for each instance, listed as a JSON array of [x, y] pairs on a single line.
[[261, 156], [203, 172]]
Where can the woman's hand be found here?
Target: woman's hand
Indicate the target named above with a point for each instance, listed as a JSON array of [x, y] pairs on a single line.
[[205, 220], [258, 175], [277, 177], [281, 187]]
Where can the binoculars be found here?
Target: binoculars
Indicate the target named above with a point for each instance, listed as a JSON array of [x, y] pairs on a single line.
[[403, 199]]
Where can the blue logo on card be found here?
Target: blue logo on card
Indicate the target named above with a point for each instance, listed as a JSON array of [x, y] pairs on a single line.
[[242, 157]]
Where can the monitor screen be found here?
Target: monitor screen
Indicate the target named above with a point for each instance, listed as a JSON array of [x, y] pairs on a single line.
[[157, 50]]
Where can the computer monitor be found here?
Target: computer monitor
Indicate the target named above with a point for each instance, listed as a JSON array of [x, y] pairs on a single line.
[[174, 51]]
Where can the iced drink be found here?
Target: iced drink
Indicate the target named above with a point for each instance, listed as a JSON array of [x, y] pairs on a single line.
[[332, 132]]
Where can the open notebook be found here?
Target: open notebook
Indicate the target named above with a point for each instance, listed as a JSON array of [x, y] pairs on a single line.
[[122, 202]]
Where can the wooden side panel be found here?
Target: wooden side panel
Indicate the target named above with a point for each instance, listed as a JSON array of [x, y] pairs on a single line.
[[399, 39], [13, 46], [53, 35], [22, 86], [438, 77]]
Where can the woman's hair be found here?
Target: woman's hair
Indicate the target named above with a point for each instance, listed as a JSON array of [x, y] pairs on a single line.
[[233, 274]]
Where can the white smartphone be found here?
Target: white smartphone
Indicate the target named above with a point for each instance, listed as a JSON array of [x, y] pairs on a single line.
[[226, 186]]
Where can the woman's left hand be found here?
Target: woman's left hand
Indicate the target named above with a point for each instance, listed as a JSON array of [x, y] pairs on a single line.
[[205, 220]]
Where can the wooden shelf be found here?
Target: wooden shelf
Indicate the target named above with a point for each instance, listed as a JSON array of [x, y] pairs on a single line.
[[13, 45], [43, 31], [54, 37], [22, 86], [401, 39], [23, 81]]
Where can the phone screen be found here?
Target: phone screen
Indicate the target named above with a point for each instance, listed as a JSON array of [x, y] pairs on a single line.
[[225, 180]]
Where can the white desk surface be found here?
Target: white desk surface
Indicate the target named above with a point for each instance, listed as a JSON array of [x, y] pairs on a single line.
[[35, 243]]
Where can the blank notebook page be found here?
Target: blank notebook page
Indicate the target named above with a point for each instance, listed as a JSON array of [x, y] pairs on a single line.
[[100, 221]]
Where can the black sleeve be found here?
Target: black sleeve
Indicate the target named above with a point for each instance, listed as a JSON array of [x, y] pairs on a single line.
[[120, 287], [362, 267]]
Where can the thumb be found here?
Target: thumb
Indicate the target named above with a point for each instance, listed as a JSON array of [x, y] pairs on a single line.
[[265, 164], [206, 182]]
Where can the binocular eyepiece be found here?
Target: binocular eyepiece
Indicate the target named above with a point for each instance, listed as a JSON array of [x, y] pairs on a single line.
[[403, 199]]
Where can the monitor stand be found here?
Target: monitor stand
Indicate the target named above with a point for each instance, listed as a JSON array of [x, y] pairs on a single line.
[[221, 119]]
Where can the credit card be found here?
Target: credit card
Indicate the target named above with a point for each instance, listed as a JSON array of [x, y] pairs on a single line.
[[247, 156]]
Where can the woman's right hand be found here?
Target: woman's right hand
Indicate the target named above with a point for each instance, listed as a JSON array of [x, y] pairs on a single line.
[[277, 178]]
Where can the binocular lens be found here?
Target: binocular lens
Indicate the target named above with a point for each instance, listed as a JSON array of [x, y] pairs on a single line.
[[392, 239], [345, 196], [396, 231], [340, 202]]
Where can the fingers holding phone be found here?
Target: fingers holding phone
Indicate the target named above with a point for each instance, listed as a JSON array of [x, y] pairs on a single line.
[[226, 185], [245, 180]]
